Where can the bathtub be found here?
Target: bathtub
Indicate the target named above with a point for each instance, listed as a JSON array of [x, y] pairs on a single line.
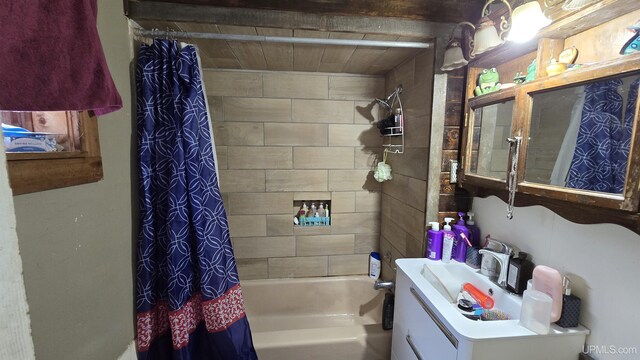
[[332, 318]]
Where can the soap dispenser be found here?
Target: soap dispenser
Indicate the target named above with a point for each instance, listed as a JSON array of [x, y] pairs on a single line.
[[570, 314], [449, 238], [474, 230]]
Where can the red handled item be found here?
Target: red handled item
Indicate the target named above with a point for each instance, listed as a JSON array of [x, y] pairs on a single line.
[[483, 299]]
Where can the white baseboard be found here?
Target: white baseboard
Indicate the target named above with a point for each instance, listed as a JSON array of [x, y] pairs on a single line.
[[130, 352]]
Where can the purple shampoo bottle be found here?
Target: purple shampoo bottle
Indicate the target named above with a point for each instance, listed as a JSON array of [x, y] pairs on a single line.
[[434, 242], [460, 244]]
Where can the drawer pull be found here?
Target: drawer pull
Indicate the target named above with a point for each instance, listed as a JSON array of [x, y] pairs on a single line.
[[435, 319], [413, 347]]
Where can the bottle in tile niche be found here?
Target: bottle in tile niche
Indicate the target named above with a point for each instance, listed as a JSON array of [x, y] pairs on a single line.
[[520, 271], [570, 315]]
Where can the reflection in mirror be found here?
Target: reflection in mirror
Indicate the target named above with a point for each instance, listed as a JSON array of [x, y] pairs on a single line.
[[41, 131], [490, 150], [580, 136]]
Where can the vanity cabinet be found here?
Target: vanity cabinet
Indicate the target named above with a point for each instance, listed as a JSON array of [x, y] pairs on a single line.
[[567, 141]]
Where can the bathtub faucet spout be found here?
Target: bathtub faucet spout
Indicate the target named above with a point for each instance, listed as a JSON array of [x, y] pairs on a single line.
[[383, 285]]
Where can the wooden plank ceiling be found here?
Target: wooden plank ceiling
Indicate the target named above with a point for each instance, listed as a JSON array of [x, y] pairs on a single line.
[[221, 54], [407, 20], [430, 10]]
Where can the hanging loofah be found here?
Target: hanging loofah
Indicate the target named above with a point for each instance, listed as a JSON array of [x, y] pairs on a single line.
[[383, 170], [570, 5]]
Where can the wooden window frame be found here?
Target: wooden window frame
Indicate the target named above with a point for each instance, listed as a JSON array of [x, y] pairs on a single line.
[[33, 172]]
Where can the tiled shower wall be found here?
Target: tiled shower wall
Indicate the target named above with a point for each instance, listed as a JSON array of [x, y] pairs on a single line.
[[283, 137], [404, 197]]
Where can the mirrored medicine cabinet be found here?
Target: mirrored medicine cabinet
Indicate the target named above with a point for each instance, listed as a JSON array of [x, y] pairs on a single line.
[[569, 142]]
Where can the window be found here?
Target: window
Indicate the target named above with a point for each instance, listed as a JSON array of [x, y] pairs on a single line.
[[48, 150]]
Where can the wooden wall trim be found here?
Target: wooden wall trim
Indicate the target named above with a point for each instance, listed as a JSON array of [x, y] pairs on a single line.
[[150, 10]]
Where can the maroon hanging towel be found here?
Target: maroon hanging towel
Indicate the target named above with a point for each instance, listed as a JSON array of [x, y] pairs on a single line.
[[52, 59]]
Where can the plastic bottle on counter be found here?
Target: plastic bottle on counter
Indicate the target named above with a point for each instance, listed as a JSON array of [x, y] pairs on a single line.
[[474, 230], [462, 236], [434, 241], [449, 238]]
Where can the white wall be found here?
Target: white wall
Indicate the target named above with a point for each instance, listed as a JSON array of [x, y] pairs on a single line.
[[76, 243], [603, 260]]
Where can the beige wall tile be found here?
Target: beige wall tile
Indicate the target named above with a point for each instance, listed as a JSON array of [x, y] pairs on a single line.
[[405, 73], [367, 157], [312, 230], [352, 180], [366, 112], [242, 180], [368, 201], [249, 269], [246, 157], [215, 107], [323, 158], [236, 133], [296, 180], [356, 87], [221, 156], [257, 109], [343, 202], [413, 163], [247, 225], [263, 247], [279, 225], [417, 132], [295, 86], [410, 191], [324, 245], [366, 243], [354, 135], [295, 134], [319, 195], [322, 111], [393, 233], [233, 83], [260, 203], [415, 247], [408, 218], [355, 223], [298, 267], [348, 264]]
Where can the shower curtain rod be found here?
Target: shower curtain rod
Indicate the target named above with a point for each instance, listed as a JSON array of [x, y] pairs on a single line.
[[280, 39]]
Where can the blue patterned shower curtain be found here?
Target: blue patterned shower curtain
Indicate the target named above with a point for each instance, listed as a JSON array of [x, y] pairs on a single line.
[[189, 302], [604, 138]]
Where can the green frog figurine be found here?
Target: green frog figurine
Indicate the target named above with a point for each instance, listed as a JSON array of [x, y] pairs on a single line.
[[488, 81]]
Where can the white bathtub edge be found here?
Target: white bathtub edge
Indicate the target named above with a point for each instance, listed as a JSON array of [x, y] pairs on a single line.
[[130, 352]]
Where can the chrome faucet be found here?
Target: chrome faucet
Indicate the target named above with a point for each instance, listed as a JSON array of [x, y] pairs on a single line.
[[383, 285]]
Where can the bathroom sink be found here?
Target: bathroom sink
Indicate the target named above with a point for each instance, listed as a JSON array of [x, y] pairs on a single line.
[[448, 278], [439, 284]]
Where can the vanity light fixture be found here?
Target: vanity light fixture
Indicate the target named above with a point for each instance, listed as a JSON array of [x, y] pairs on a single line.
[[527, 20], [453, 55], [487, 37]]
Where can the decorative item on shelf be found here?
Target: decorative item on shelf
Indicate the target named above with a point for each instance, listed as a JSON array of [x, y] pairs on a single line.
[[486, 36], [383, 170], [555, 67], [531, 71], [527, 19], [488, 81], [519, 78], [453, 55], [633, 44], [568, 56]]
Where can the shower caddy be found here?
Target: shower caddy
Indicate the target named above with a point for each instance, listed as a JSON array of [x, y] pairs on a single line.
[[394, 141]]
